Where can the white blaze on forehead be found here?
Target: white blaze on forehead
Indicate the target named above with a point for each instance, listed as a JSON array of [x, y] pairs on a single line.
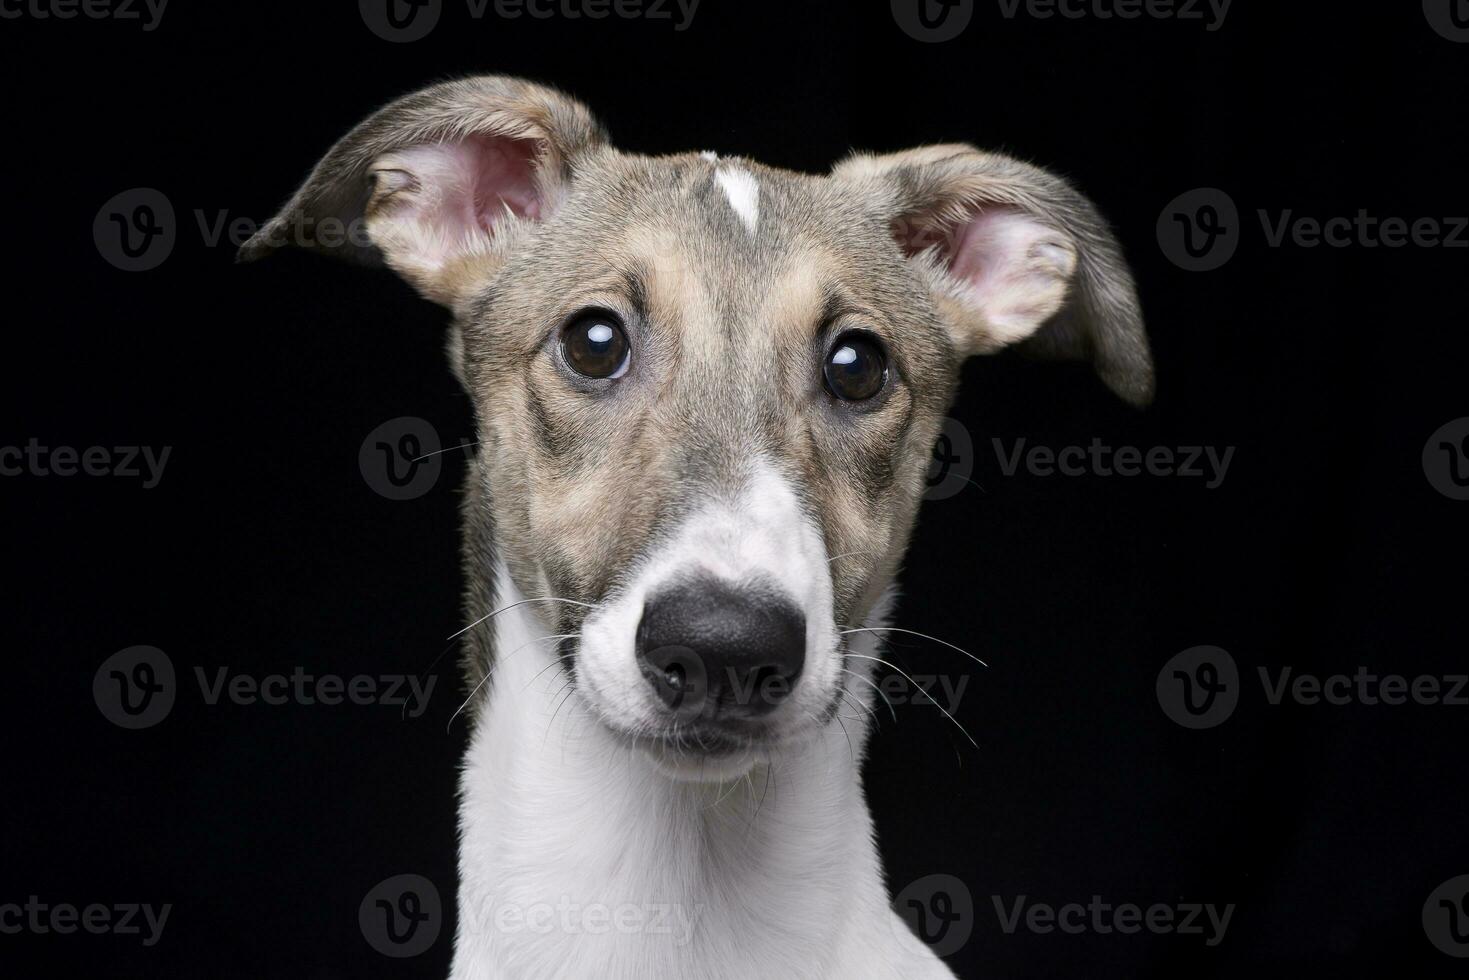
[[743, 194]]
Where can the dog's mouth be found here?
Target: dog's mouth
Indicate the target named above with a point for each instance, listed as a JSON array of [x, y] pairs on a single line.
[[703, 753], [702, 745], [715, 751]]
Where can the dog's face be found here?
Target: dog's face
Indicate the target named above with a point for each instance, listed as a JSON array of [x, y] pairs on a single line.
[[706, 389]]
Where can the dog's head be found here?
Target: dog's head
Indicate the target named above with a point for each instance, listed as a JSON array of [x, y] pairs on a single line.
[[706, 389]]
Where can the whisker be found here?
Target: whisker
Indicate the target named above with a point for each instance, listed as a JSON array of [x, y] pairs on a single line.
[[769, 773], [856, 704], [973, 483], [730, 789], [569, 688], [560, 657], [915, 684], [894, 629], [424, 673], [498, 661], [437, 452], [851, 752], [881, 693], [851, 554], [522, 602]]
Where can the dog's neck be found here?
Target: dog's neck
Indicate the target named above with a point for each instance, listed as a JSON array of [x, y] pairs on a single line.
[[580, 857]]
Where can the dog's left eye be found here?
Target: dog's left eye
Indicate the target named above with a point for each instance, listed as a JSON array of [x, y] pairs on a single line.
[[856, 368], [595, 345]]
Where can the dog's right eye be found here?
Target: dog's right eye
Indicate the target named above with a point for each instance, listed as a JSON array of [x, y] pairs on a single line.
[[595, 345]]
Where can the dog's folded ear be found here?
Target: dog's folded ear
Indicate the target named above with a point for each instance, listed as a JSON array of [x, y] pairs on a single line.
[[1014, 255], [441, 183]]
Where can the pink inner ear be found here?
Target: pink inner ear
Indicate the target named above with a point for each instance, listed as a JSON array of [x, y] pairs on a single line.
[[1012, 267], [996, 243], [460, 191], [505, 175]]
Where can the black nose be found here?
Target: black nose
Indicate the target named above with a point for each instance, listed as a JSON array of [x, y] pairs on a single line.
[[716, 650]]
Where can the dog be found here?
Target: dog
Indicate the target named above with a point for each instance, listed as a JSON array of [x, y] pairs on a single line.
[[706, 393]]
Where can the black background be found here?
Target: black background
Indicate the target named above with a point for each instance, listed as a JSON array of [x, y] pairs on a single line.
[[263, 549]]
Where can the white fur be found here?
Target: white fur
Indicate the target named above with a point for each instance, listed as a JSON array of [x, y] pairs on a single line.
[[743, 193], [580, 857], [760, 534]]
